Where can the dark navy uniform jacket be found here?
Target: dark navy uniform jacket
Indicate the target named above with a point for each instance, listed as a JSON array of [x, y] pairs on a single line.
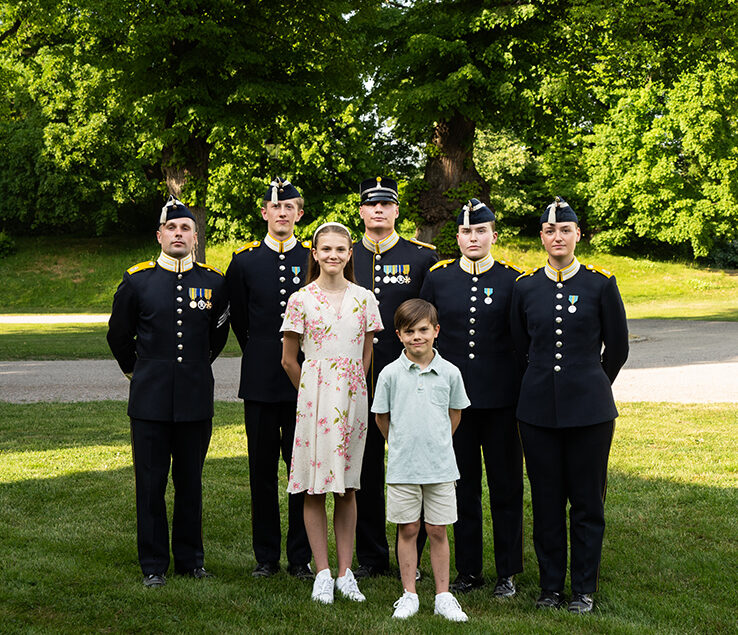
[[560, 321], [473, 301], [169, 322], [261, 278], [394, 268]]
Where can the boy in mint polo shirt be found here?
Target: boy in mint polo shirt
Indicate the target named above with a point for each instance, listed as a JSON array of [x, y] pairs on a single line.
[[418, 401]]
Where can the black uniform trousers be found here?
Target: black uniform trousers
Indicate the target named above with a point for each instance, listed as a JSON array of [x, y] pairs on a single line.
[[495, 431], [372, 548], [155, 443], [568, 464], [270, 429]]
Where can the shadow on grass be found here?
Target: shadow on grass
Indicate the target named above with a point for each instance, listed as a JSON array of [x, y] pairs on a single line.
[[70, 560]]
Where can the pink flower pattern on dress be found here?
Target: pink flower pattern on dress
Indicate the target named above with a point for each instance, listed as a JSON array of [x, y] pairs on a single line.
[[331, 425]]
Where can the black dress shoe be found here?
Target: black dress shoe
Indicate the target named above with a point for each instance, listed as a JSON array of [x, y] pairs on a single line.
[[466, 582], [154, 580], [301, 571], [550, 600], [581, 603], [369, 571], [265, 570], [198, 573], [505, 587]]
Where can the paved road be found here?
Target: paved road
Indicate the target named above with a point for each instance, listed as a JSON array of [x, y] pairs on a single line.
[[670, 360]]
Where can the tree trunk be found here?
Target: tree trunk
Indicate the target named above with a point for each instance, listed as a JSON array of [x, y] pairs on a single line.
[[450, 176], [186, 172]]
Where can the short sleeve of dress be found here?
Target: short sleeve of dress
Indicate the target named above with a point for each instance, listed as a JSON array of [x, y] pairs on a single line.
[[373, 318], [294, 314], [458, 399]]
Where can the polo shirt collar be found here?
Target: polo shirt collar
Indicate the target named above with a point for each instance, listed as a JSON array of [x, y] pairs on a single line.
[[175, 265], [409, 365], [280, 246], [380, 246], [475, 267], [560, 275]]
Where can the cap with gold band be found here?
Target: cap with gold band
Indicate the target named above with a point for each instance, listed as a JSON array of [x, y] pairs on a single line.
[[378, 189]]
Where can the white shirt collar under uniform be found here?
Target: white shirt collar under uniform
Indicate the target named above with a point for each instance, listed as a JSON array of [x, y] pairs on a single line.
[[280, 246], [175, 265], [380, 246], [559, 275], [475, 267]]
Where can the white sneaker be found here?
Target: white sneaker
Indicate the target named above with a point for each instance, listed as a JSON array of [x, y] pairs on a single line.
[[406, 606], [323, 587], [448, 606], [348, 588]]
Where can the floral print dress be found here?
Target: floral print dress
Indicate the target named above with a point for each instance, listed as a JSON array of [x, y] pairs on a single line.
[[331, 428]]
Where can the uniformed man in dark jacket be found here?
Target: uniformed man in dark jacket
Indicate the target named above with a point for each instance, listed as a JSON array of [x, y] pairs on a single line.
[[472, 295], [261, 277], [169, 322], [394, 268], [568, 323]]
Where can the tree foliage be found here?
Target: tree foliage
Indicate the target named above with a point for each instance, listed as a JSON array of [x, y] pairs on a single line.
[[624, 108]]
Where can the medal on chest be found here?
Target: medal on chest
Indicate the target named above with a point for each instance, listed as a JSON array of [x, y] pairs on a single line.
[[396, 274], [488, 291], [573, 300], [200, 298], [296, 271]]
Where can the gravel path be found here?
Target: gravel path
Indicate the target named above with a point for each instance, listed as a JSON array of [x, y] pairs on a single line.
[[670, 360]]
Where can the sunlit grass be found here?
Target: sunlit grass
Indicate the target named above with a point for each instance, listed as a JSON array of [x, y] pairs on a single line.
[[67, 533], [81, 275]]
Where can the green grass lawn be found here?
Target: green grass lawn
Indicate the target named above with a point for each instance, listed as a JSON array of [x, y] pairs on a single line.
[[66, 341], [69, 275], [67, 534]]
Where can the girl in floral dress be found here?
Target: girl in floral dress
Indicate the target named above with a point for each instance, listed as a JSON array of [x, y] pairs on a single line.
[[332, 320]]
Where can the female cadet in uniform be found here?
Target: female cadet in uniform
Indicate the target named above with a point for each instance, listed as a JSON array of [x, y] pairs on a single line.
[[562, 316]]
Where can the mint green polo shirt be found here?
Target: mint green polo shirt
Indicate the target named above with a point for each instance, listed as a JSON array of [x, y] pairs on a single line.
[[419, 442]]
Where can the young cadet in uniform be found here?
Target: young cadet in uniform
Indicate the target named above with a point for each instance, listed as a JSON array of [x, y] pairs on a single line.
[[562, 316], [473, 294], [169, 322], [261, 278], [394, 269]]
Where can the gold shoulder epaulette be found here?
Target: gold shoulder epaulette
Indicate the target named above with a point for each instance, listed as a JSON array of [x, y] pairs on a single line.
[[247, 246], [512, 266], [604, 272], [147, 264], [417, 242], [442, 263], [530, 272], [207, 266], [307, 244]]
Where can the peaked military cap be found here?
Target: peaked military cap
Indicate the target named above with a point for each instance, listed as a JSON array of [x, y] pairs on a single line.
[[474, 212], [174, 208], [281, 190], [559, 212], [378, 189]]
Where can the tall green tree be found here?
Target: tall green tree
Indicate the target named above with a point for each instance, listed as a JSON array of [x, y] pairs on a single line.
[[663, 166], [188, 76], [445, 68]]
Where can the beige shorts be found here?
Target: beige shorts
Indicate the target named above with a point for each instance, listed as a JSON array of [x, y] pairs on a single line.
[[437, 501]]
